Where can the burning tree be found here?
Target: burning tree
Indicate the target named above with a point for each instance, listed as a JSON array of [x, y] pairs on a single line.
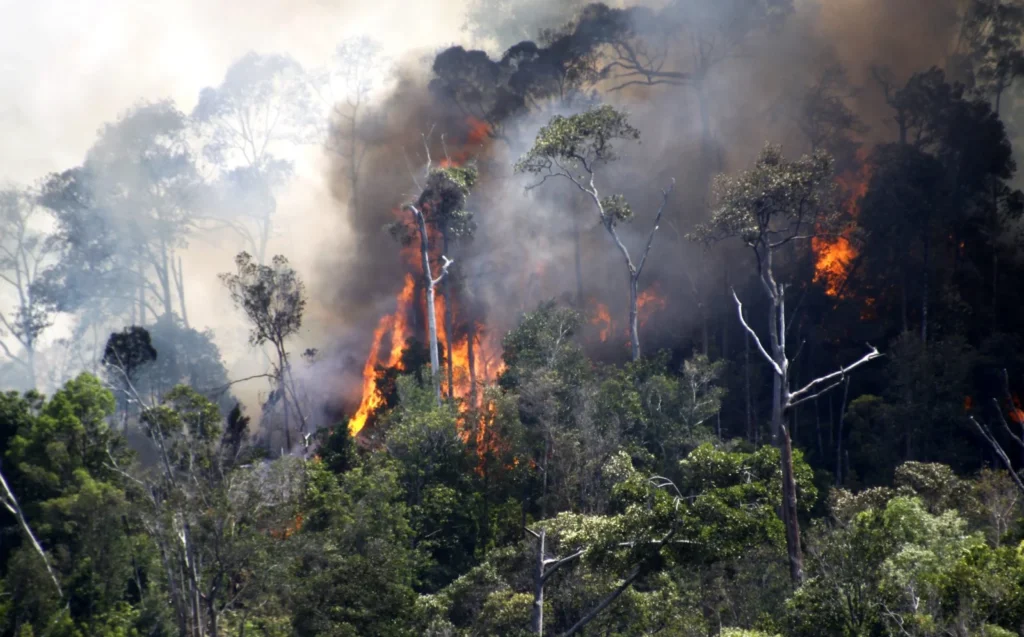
[[581, 143], [441, 204], [770, 207]]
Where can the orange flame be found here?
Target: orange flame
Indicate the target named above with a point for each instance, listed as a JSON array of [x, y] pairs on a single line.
[[647, 303], [835, 255], [285, 533], [476, 136], [603, 319], [487, 351], [394, 326], [1016, 412]]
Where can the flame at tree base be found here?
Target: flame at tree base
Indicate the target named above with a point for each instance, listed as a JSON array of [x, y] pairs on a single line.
[[395, 327]]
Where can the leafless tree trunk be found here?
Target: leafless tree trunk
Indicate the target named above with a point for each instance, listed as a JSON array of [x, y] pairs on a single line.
[[430, 283], [994, 443], [783, 399], [449, 332], [543, 569], [789, 511], [634, 270], [839, 435]]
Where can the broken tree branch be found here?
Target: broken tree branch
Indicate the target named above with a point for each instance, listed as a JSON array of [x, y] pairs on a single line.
[[998, 449], [840, 373], [10, 502]]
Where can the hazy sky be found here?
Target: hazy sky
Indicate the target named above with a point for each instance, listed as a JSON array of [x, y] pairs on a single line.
[[68, 66]]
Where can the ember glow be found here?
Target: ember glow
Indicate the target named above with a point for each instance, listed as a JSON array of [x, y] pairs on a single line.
[[603, 320], [835, 255], [1016, 412]]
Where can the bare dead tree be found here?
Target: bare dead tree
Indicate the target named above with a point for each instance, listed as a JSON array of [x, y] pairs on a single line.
[[770, 207], [430, 282], [1017, 438], [543, 569]]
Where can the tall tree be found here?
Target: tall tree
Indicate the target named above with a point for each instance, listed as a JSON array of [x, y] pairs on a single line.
[[214, 516], [273, 298], [124, 215], [441, 203], [260, 110], [770, 207], [582, 143], [345, 88], [974, 157], [24, 254]]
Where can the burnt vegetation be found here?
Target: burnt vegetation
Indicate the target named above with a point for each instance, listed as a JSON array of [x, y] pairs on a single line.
[[700, 318]]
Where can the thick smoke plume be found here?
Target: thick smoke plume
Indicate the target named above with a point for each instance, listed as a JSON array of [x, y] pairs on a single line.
[[706, 83], [721, 79]]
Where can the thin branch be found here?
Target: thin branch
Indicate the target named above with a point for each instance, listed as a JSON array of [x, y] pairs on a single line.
[[223, 388], [556, 564], [842, 371], [794, 403], [999, 452], [604, 603], [753, 334], [444, 269], [1006, 425], [657, 222]]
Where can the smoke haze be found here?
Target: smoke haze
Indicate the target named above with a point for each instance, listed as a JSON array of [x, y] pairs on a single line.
[[69, 70]]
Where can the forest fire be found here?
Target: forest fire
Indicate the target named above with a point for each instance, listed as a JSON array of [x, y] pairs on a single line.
[[475, 357], [395, 328], [603, 320], [649, 302], [476, 136], [835, 255]]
